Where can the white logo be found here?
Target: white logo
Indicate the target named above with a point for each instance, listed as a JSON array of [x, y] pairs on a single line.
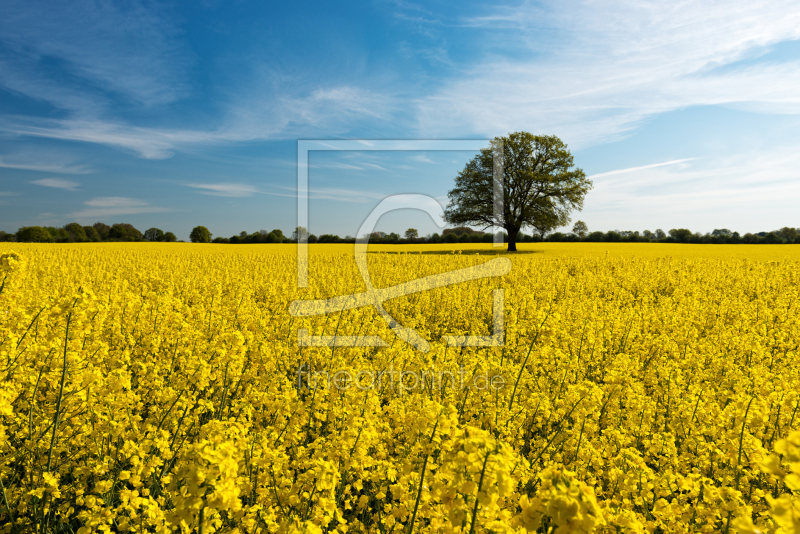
[[376, 297]]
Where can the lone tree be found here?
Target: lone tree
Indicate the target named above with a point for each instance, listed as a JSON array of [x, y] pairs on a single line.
[[540, 184], [200, 234], [412, 234]]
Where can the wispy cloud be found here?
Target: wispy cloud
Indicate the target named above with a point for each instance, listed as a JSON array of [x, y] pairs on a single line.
[[609, 66], [249, 117], [225, 189], [128, 50], [39, 162], [135, 54], [246, 190], [86, 58], [344, 195], [421, 20], [421, 158], [339, 194], [634, 169], [4, 194], [57, 183], [589, 71], [266, 109], [112, 206], [151, 143], [318, 193], [343, 166], [374, 166], [747, 192]]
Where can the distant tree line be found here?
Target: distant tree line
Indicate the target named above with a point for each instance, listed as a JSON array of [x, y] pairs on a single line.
[[75, 233], [243, 238], [451, 235], [580, 233], [721, 236]]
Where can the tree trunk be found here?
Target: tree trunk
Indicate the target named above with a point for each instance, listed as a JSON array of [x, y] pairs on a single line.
[[512, 240]]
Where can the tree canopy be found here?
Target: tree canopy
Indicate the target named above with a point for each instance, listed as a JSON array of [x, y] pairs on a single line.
[[124, 232], [299, 234], [154, 234], [541, 186], [34, 234], [76, 232], [200, 234], [91, 233], [580, 229]]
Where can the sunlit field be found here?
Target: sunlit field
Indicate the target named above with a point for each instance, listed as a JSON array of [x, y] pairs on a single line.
[[162, 388]]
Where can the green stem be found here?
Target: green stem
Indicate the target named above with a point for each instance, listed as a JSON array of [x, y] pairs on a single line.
[[739, 459], [522, 368], [5, 499], [477, 496], [741, 442], [60, 397], [421, 480]]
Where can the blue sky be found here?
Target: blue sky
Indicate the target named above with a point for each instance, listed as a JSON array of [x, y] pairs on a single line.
[[178, 114]]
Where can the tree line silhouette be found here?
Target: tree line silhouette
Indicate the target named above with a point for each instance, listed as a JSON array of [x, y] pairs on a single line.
[[75, 233]]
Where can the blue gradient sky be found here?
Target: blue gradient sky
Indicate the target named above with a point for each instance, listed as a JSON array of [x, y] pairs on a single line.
[[179, 114]]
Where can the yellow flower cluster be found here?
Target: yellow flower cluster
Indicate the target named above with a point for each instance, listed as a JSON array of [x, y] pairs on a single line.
[[162, 388]]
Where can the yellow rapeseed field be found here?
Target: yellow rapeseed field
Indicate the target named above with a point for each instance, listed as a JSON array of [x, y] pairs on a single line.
[[161, 388]]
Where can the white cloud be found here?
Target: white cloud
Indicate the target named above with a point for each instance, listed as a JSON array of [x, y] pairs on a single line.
[[422, 159], [105, 53], [126, 50], [588, 71], [344, 195], [41, 162], [614, 64], [150, 143], [57, 183], [339, 194], [226, 189], [250, 116], [634, 169], [344, 166], [115, 202], [748, 192], [245, 190], [374, 166], [112, 206], [6, 194], [272, 105]]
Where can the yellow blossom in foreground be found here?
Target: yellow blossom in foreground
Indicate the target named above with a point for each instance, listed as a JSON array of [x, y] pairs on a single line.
[[161, 388]]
